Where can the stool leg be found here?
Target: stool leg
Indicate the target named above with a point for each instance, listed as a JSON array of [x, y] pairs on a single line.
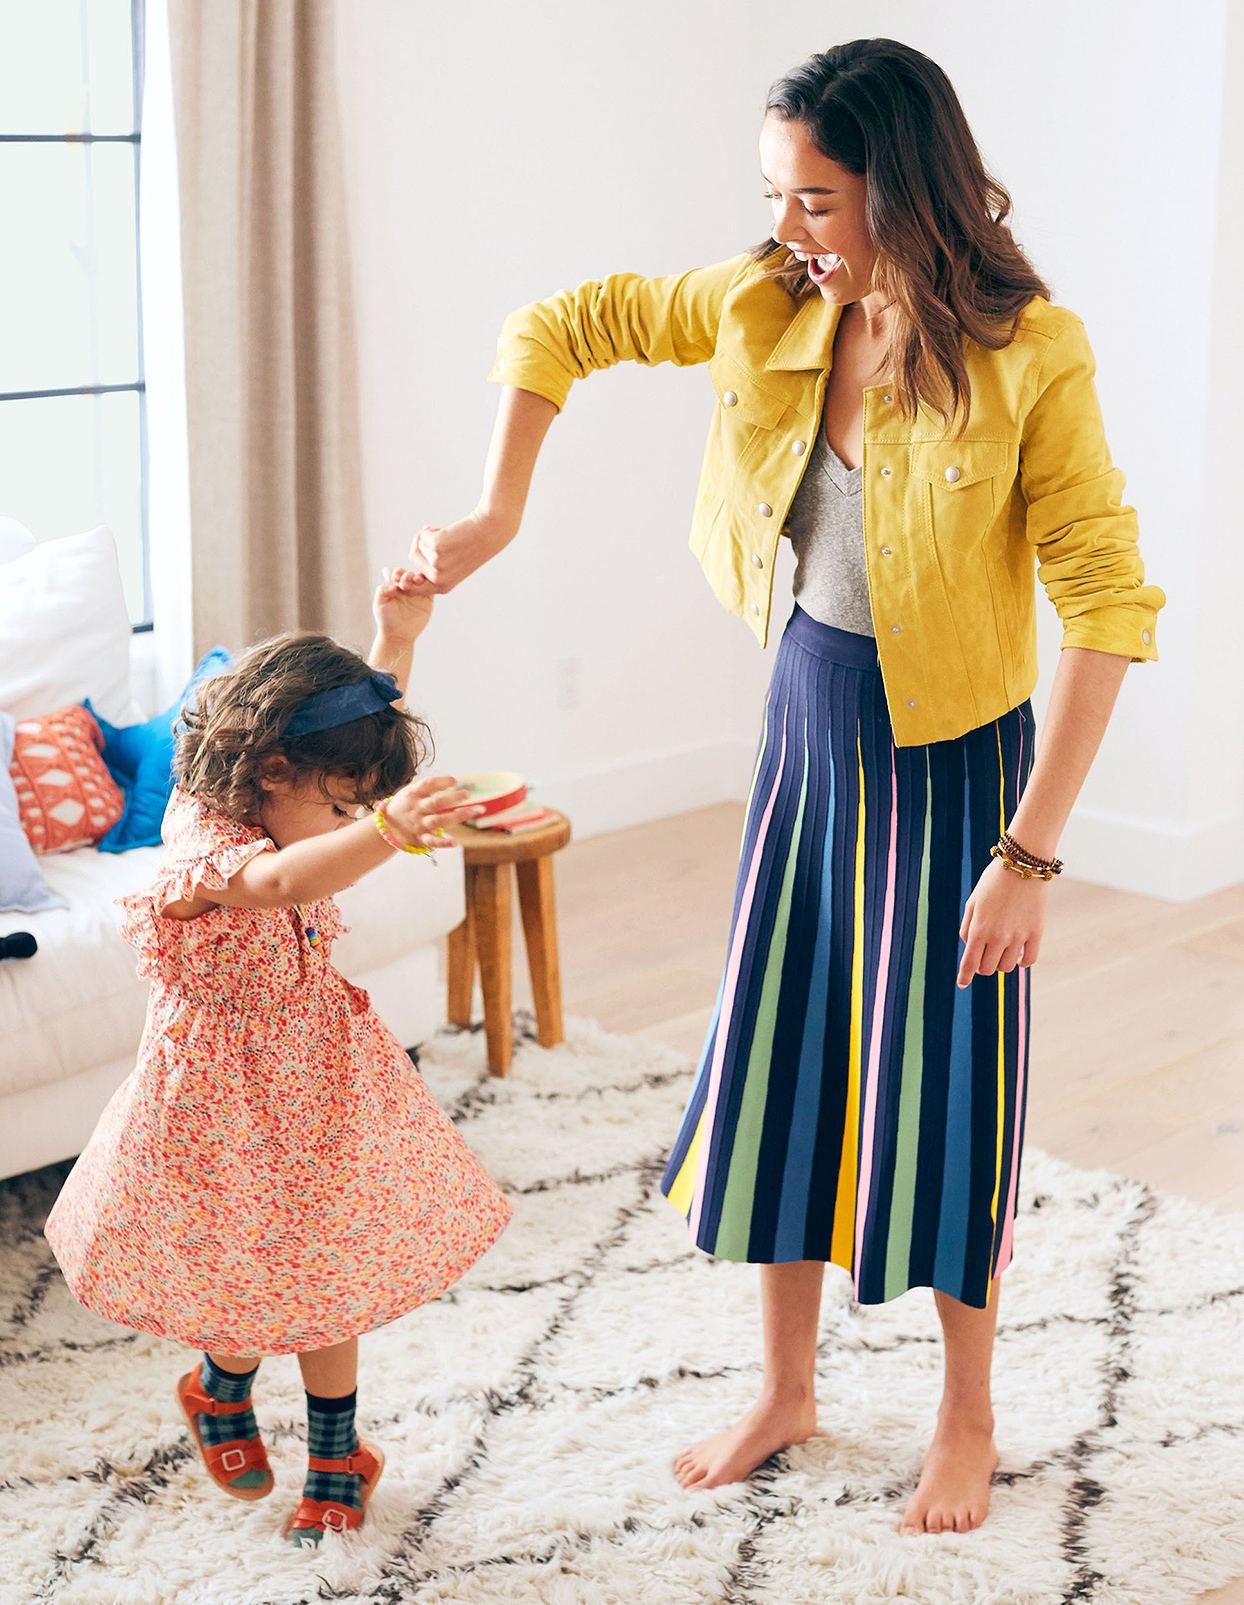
[[461, 966], [535, 898], [488, 889]]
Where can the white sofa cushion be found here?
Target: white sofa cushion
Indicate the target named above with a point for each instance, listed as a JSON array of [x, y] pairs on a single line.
[[64, 629], [79, 1002], [408, 901]]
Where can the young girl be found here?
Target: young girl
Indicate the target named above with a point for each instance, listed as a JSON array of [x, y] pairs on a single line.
[[273, 1178]]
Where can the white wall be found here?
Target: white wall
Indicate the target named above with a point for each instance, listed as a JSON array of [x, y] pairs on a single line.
[[500, 151]]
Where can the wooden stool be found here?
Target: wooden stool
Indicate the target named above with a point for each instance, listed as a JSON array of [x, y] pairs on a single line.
[[484, 936]]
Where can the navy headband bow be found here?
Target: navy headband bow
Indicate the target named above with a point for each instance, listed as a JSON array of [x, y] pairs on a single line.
[[342, 705]]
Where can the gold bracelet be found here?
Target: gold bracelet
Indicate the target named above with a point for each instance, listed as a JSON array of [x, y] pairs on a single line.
[[1026, 870], [1044, 872], [387, 835]]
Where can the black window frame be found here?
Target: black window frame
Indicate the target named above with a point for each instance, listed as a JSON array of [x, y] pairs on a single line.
[[139, 385]]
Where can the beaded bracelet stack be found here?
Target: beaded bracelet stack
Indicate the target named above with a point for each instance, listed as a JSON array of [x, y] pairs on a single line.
[[387, 835], [1023, 862]]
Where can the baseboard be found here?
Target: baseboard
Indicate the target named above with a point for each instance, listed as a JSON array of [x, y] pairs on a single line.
[[1158, 860], [648, 786]]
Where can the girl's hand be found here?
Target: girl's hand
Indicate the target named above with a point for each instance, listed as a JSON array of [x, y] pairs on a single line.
[[402, 605], [445, 556], [423, 808], [1002, 923]]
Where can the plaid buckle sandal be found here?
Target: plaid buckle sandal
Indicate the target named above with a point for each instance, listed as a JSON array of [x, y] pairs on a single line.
[[224, 1461], [315, 1517]]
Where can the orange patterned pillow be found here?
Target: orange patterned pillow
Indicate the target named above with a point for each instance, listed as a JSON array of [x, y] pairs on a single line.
[[65, 796]]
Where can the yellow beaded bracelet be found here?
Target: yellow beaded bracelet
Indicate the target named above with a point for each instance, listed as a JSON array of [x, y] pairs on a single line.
[[387, 835]]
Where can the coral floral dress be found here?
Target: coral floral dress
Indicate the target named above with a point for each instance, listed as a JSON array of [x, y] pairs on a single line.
[[273, 1176]]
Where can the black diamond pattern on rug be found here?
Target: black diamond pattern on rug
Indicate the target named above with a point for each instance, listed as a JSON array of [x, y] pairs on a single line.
[[530, 1415]]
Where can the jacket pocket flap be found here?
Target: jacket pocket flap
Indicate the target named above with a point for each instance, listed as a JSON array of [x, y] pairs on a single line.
[[956, 463], [751, 405]]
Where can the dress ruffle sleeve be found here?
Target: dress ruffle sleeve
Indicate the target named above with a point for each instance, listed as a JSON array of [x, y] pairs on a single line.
[[203, 850]]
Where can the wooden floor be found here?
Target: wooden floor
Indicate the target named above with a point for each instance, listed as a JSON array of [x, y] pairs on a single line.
[[1138, 1004]]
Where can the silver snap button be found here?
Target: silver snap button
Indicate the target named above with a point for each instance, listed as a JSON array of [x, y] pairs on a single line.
[[952, 473], [756, 608], [911, 702], [885, 473], [757, 561], [765, 510], [887, 398], [729, 399], [799, 447], [896, 629], [885, 551], [1146, 637]]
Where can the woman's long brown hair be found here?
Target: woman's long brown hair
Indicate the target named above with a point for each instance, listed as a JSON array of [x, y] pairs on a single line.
[[945, 256]]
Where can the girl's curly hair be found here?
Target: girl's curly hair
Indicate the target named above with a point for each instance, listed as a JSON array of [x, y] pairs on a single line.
[[231, 729]]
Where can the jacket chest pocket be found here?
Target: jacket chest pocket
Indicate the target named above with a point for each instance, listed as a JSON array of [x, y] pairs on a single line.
[[960, 485], [745, 412]]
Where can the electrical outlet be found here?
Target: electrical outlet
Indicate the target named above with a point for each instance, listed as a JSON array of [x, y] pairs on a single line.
[[566, 675]]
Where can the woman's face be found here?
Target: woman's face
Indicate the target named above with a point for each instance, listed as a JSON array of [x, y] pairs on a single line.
[[818, 211]]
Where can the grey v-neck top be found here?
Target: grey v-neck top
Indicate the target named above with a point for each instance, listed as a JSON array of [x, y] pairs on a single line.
[[826, 529]]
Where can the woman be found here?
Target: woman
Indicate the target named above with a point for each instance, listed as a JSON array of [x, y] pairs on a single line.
[[896, 392]]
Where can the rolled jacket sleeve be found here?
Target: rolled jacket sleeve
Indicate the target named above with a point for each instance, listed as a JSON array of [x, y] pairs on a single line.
[[546, 346], [1083, 533]]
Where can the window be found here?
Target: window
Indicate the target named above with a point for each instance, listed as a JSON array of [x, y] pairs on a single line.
[[73, 428]]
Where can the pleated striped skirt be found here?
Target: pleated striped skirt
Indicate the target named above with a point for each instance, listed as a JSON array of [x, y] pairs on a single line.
[[852, 1104]]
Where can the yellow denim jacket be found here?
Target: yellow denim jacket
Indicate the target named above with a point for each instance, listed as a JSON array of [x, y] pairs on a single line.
[[951, 526]]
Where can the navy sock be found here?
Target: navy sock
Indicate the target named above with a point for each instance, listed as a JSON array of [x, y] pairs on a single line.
[[331, 1436], [230, 1387]]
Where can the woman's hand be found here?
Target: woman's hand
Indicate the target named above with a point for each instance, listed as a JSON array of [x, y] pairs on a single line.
[[420, 812], [445, 555], [402, 606], [1002, 923]]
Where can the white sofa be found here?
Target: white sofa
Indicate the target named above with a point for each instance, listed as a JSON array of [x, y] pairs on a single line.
[[71, 1016]]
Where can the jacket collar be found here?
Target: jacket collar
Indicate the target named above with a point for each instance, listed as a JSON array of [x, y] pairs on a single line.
[[808, 341]]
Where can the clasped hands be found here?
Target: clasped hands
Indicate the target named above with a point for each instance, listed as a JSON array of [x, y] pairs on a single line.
[[444, 555]]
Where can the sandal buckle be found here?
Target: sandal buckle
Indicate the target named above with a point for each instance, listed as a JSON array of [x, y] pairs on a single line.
[[334, 1518], [233, 1459]]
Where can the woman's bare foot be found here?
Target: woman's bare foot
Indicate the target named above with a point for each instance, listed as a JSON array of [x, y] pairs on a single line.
[[734, 1454], [953, 1492]]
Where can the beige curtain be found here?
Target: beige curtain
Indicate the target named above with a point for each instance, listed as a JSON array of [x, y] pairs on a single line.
[[275, 487]]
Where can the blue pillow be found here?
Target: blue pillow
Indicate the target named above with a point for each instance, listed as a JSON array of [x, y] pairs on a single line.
[[139, 757]]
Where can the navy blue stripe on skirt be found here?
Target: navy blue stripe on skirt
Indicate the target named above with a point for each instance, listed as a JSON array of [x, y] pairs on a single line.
[[852, 1104]]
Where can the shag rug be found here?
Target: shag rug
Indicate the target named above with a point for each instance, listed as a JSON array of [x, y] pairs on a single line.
[[530, 1416]]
